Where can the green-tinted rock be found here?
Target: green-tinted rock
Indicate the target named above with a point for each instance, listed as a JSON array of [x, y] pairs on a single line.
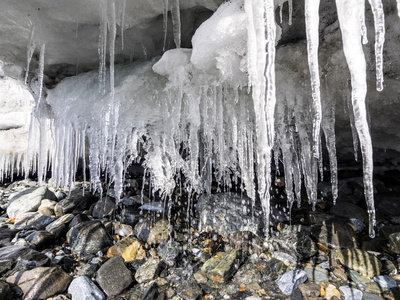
[[227, 265], [358, 260]]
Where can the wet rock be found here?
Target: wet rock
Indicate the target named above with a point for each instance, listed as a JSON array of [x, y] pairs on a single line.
[[130, 215], [247, 241], [65, 219], [103, 208], [155, 206], [388, 205], [82, 288], [394, 242], [376, 244], [78, 219], [41, 238], [351, 212], [357, 278], [309, 290], [148, 271], [221, 269], [28, 200], [6, 235], [317, 274], [88, 238], [169, 251], [5, 291], [21, 258], [74, 203], [47, 207], [87, 270], [113, 276], [128, 248], [122, 229], [289, 281], [151, 292], [331, 291], [189, 290], [385, 281], [153, 234], [227, 213], [350, 293], [335, 235], [358, 260], [41, 282], [32, 220], [272, 268], [59, 230]]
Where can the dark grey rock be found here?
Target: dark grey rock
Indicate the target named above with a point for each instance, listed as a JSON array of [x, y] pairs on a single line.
[[103, 208], [130, 215], [88, 238], [113, 276], [385, 281], [394, 242], [40, 238], [247, 241], [6, 235], [169, 251], [148, 271], [76, 202], [355, 214], [88, 270], [289, 281], [32, 220], [5, 291], [28, 200], [82, 288], [151, 292], [335, 235], [189, 290], [78, 219]]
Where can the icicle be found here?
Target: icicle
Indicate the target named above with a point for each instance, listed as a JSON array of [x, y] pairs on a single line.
[[363, 27], [349, 16], [113, 33], [353, 129], [312, 22], [290, 11], [31, 48], [176, 22], [103, 46], [123, 9], [398, 7], [40, 76], [165, 22], [379, 23], [280, 12]]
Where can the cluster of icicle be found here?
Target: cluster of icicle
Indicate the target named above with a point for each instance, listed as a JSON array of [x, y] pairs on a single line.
[[193, 129]]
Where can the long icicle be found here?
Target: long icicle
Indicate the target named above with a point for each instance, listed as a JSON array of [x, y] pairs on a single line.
[[165, 22], [349, 19], [113, 33], [29, 52], [176, 22], [40, 76]]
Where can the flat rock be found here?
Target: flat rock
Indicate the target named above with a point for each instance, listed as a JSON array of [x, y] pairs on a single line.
[[189, 290], [88, 238], [65, 219], [32, 220], [221, 269], [103, 208], [148, 271], [358, 260], [350, 293], [335, 235], [289, 281], [28, 200], [113, 276], [76, 202], [128, 248], [41, 282], [83, 288], [317, 274]]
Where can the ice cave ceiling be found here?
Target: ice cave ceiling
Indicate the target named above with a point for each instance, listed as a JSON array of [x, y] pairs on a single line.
[[199, 94]]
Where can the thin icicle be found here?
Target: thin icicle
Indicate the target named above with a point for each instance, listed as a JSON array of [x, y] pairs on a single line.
[[363, 27], [349, 16], [280, 12], [312, 25], [165, 22], [123, 9], [102, 49], [176, 22], [31, 48], [40, 75], [113, 33], [398, 8], [379, 23], [290, 11]]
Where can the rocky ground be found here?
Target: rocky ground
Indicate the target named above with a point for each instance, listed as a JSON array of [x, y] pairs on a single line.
[[58, 244]]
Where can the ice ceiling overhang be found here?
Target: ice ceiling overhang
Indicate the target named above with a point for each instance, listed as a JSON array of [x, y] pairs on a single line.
[[218, 111]]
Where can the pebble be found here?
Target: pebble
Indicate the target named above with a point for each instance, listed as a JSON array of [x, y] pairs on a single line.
[[82, 288], [289, 281], [148, 271], [385, 281], [350, 293]]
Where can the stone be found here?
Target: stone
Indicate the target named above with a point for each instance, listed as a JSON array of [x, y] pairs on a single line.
[[169, 251], [151, 292], [394, 242], [122, 229], [41, 282], [40, 238], [221, 269], [75, 203], [289, 281], [128, 248], [80, 218], [28, 200], [272, 268], [113, 276], [352, 212], [153, 233], [82, 288], [47, 207], [65, 219], [189, 290], [32, 220], [331, 291], [87, 270], [357, 277], [130, 215], [350, 293], [358, 260], [6, 235], [385, 281], [88, 238], [148, 271], [247, 241], [335, 235], [103, 208], [317, 274], [5, 291], [309, 290]]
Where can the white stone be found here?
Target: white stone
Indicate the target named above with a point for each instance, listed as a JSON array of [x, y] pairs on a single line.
[[82, 288]]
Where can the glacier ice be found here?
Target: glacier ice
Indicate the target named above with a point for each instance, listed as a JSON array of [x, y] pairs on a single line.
[[216, 112]]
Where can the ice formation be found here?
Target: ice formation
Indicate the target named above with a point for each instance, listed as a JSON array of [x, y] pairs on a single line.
[[211, 113]]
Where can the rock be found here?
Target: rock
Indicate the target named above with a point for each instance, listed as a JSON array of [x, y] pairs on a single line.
[[394, 242], [335, 235], [358, 260], [76, 202], [41, 282], [128, 248], [317, 274], [65, 219], [88, 270], [221, 269], [189, 290], [289, 281], [122, 229], [226, 213], [82, 288], [32, 220], [309, 290], [28, 200], [21, 258], [350, 293], [148, 271], [247, 241], [153, 234], [6, 235], [169, 251], [88, 238], [103, 208], [272, 268], [78, 219], [113, 276], [385, 282], [130, 215], [151, 292], [351, 212], [331, 291], [5, 291], [40, 238], [47, 207]]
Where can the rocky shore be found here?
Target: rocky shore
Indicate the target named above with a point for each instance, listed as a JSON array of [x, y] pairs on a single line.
[[58, 244]]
